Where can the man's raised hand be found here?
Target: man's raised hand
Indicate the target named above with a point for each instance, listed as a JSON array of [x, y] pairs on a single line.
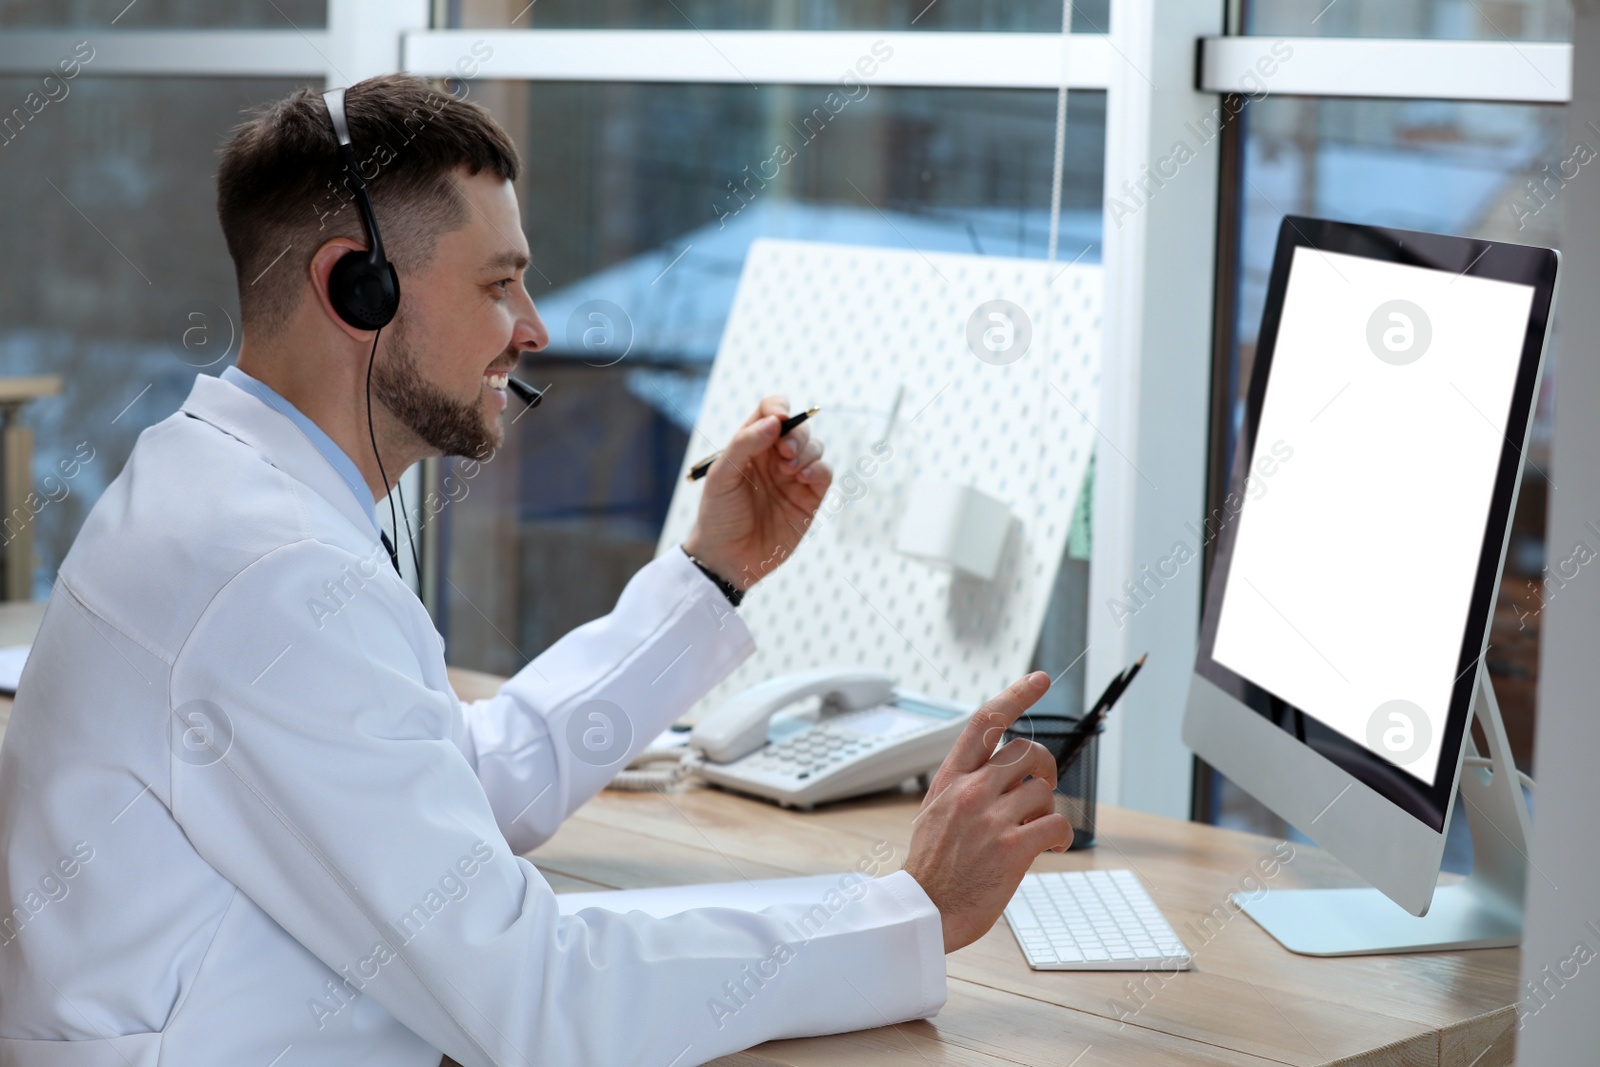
[[986, 816], [760, 497]]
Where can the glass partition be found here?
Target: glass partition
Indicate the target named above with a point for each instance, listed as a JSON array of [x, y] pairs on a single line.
[[162, 14], [1471, 20], [119, 280], [1042, 16]]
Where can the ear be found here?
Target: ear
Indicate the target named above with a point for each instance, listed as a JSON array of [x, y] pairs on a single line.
[[333, 250]]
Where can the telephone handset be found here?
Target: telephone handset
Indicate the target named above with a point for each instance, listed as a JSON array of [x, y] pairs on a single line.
[[867, 736], [739, 727]]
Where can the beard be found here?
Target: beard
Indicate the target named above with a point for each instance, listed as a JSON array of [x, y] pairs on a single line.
[[451, 427]]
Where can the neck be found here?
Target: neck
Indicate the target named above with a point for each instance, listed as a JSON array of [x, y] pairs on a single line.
[[330, 389]]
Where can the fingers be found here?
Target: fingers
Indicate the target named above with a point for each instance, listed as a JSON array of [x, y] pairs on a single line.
[[795, 440], [800, 453], [775, 404], [1016, 761], [756, 435], [1051, 831], [753, 438], [1028, 800], [818, 476], [973, 748]]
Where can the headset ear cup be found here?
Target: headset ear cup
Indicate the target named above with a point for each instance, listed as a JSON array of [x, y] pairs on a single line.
[[365, 294]]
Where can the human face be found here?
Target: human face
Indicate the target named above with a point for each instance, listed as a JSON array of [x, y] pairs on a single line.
[[464, 321]]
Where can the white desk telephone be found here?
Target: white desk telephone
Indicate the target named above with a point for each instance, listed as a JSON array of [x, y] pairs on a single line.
[[865, 736]]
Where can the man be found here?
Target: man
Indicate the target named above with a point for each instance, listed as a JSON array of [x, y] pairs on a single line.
[[239, 827]]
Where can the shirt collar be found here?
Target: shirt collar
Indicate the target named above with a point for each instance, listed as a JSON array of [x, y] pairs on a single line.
[[337, 457]]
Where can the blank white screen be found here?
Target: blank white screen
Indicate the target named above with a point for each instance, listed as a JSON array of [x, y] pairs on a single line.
[[1352, 570]]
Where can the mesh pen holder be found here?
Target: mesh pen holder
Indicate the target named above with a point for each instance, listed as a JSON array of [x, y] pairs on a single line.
[[1075, 788]]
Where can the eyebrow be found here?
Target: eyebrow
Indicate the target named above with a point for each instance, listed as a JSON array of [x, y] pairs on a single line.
[[514, 260]]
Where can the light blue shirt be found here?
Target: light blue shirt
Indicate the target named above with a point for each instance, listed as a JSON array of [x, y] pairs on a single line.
[[331, 452]]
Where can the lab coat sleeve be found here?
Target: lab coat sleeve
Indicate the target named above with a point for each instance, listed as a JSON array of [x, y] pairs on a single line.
[[564, 725], [332, 793]]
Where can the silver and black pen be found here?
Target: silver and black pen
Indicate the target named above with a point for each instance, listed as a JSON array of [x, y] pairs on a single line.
[[699, 470]]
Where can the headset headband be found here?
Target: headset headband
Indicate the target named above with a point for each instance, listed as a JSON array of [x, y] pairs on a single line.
[[334, 98], [363, 286]]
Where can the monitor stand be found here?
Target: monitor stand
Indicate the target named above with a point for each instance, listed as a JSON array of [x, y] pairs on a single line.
[[1483, 910]]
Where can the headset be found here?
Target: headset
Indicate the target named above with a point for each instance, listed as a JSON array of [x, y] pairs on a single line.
[[364, 290]]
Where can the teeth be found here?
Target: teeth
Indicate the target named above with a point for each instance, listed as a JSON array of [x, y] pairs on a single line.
[[496, 381]]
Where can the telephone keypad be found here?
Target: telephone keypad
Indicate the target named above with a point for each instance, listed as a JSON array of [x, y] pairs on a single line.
[[846, 752], [813, 752]]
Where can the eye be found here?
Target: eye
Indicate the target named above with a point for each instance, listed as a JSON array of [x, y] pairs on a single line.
[[504, 285]]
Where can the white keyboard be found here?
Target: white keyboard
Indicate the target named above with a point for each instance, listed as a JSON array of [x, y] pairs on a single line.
[[1092, 921]]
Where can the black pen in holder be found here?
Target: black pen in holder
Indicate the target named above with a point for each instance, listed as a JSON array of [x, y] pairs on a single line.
[[1075, 786]]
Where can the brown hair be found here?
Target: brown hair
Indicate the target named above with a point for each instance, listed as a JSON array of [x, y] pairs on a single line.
[[282, 189]]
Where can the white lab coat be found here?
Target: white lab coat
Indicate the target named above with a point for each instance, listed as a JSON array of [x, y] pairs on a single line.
[[337, 887]]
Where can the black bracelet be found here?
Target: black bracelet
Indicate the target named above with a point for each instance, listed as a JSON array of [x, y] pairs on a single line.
[[727, 587]]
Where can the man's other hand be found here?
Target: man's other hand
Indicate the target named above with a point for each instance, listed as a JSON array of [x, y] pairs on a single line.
[[760, 496], [985, 819]]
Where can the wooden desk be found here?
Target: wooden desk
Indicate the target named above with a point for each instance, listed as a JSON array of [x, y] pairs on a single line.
[[1246, 1000]]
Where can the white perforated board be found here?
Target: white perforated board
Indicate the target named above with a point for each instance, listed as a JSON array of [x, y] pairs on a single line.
[[841, 327]]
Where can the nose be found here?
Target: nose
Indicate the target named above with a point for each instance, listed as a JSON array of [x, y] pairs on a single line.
[[530, 333]]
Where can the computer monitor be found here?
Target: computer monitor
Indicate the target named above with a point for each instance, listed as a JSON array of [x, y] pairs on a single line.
[[1357, 557]]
